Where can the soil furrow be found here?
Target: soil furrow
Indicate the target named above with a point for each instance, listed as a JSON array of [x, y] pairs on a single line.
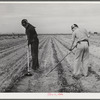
[[12, 50], [6, 44]]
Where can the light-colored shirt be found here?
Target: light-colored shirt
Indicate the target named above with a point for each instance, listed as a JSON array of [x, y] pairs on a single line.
[[80, 34]]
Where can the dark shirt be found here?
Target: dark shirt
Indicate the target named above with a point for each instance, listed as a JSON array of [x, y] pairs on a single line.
[[31, 33]]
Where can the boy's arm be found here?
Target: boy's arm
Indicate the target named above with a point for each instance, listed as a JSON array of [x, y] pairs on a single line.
[[73, 40]]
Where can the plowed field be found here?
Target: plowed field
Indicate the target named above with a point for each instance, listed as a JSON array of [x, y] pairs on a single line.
[[52, 49]]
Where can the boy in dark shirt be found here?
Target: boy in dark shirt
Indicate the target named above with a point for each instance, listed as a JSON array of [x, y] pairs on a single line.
[[33, 41]]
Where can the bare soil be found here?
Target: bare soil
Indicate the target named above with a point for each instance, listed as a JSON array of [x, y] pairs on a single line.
[[52, 49]]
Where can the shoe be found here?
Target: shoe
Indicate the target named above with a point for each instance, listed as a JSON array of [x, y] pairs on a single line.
[[28, 74]]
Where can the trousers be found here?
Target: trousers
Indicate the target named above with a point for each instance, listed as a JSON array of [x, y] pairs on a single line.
[[34, 53], [81, 59]]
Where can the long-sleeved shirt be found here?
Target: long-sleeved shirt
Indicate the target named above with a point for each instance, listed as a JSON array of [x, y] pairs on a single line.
[[31, 33]]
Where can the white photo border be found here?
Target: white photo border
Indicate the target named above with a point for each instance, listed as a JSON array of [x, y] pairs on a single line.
[[46, 95]]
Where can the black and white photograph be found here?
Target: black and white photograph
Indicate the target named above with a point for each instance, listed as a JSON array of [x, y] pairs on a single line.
[[50, 47]]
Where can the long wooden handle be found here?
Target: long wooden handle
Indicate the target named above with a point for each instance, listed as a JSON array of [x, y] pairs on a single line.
[[28, 58]]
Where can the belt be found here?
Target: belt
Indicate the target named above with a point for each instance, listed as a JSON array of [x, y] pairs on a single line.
[[85, 40]]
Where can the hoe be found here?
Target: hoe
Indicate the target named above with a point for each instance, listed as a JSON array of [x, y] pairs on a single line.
[[59, 62]]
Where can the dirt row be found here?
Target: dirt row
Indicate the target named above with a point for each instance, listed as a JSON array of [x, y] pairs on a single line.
[[12, 67], [13, 64], [7, 43]]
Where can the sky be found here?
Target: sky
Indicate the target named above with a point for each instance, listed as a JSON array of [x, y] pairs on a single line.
[[49, 17]]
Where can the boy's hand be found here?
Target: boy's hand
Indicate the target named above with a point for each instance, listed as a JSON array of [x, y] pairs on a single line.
[[70, 49]]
